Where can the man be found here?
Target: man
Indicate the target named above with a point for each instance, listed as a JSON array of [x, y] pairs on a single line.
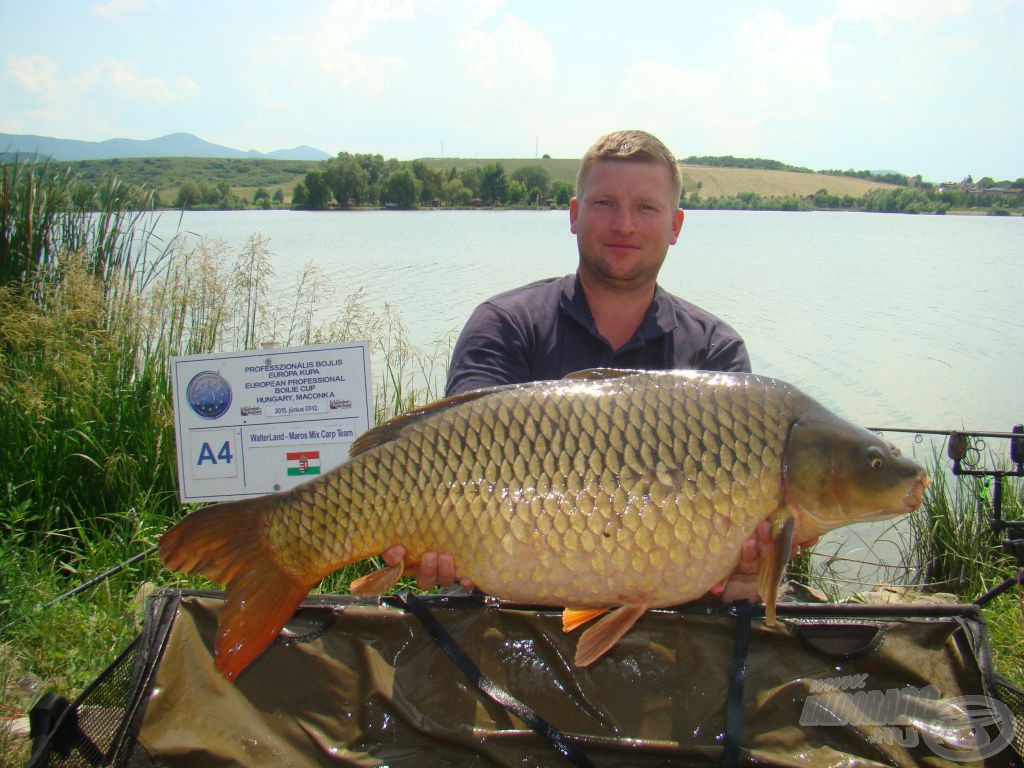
[[610, 314]]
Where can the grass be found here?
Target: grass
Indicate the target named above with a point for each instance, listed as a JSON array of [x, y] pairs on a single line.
[[166, 174], [91, 309]]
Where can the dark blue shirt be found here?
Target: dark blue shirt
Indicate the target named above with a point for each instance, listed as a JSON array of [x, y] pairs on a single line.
[[544, 331]]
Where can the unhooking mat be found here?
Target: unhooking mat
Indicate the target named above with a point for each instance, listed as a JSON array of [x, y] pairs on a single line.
[[466, 681]]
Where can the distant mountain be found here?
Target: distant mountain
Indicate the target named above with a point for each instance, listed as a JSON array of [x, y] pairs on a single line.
[[172, 145]]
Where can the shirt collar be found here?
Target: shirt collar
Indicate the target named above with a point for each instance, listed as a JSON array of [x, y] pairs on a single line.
[[659, 320]]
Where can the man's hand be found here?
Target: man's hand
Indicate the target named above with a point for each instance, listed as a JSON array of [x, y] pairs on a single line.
[[742, 582], [435, 568]]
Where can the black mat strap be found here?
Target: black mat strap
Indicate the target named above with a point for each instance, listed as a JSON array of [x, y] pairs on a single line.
[[737, 677], [447, 643]]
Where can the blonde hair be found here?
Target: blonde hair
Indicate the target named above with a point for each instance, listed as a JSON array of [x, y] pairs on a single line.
[[631, 147]]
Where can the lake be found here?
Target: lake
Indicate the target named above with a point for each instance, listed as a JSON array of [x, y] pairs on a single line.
[[890, 320]]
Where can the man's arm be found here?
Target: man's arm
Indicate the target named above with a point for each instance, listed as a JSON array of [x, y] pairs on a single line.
[[490, 351]]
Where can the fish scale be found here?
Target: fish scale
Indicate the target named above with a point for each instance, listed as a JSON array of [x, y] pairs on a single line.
[[605, 489]]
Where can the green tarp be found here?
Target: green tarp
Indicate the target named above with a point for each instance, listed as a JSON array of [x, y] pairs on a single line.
[[360, 681]]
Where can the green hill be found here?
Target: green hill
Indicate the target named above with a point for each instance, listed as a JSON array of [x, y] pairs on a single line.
[[166, 174]]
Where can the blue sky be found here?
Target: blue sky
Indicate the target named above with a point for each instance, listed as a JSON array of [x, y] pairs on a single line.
[[919, 86]]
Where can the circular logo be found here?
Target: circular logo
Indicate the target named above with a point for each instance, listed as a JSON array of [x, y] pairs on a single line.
[[209, 394], [971, 728]]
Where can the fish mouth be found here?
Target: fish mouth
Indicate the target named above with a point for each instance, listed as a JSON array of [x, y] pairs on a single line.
[[914, 496]]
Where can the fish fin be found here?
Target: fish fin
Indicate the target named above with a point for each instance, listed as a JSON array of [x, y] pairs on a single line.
[[573, 618], [600, 638], [773, 567], [258, 604], [224, 543], [591, 374], [392, 428], [378, 582]]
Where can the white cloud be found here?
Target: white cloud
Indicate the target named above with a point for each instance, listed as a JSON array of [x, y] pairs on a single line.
[[325, 55], [113, 10], [885, 15], [514, 57], [33, 73], [111, 77], [91, 102], [507, 76], [349, 71], [772, 76], [121, 80]]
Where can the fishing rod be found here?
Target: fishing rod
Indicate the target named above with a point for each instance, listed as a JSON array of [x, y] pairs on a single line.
[[84, 585], [948, 432], [965, 452]]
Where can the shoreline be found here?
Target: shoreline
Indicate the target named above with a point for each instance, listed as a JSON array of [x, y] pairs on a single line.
[[1010, 213]]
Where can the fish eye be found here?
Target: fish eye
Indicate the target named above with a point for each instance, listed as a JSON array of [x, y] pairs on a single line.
[[875, 457]]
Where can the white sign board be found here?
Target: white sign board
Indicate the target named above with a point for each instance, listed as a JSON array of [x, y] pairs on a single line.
[[257, 422]]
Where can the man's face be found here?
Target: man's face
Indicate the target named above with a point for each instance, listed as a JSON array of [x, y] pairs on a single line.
[[624, 221]]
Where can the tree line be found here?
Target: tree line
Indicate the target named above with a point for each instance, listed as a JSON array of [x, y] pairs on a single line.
[[898, 200], [360, 180]]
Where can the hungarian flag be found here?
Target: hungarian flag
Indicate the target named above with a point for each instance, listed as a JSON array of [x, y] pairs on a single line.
[[303, 463]]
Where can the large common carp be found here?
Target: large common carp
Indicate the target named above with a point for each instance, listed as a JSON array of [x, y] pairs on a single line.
[[608, 488]]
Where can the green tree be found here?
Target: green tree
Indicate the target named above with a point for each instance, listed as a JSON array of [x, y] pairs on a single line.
[[278, 195], [226, 195], [211, 194], [470, 178], [493, 184], [432, 181], [536, 179], [260, 194], [318, 194], [562, 192], [347, 179], [299, 195], [189, 195], [403, 188], [456, 193], [516, 192]]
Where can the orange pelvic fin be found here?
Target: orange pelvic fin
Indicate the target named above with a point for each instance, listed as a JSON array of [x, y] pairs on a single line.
[[378, 582], [224, 543], [573, 618], [600, 638]]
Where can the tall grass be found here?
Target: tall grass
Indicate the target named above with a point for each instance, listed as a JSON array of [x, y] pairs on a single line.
[[952, 548], [947, 546], [92, 308]]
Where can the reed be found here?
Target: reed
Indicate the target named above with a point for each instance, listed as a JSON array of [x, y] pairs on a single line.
[[92, 308]]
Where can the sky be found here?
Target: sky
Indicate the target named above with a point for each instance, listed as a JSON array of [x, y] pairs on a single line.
[[916, 86]]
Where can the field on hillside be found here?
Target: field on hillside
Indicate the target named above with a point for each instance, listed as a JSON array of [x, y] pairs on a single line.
[[166, 174], [721, 182]]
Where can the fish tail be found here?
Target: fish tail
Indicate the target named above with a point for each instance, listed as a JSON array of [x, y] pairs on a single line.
[[224, 543]]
